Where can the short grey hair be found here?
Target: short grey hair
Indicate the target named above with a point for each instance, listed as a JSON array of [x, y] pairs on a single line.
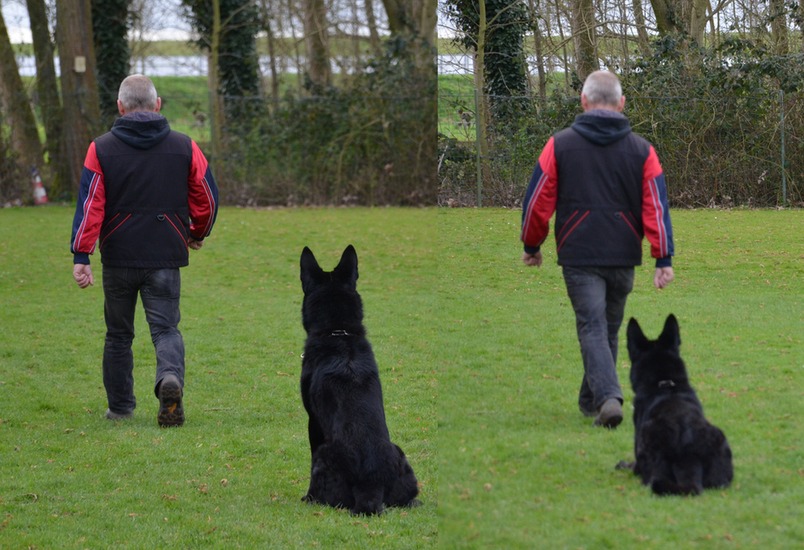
[[602, 88], [137, 93]]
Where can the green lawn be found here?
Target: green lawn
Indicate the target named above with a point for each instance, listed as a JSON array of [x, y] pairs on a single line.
[[520, 467], [234, 475], [480, 369]]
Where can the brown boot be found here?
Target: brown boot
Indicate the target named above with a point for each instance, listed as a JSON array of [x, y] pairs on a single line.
[[610, 415], [171, 411]]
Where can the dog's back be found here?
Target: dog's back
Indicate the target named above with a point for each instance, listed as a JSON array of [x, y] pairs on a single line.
[[354, 463], [677, 450]]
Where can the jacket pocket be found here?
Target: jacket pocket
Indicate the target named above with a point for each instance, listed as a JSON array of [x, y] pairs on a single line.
[[115, 223], [629, 220], [568, 227], [176, 225]]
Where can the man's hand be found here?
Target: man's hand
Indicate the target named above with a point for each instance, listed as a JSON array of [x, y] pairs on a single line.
[[195, 245], [532, 259], [663, 277], [82, 274]]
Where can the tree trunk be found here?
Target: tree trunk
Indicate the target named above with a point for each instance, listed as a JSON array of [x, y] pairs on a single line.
[[482, 119], [687, 16], [415, 18], [316, 33], [24, 138], [113, 54], [79, 85], [371, 23], [268, 10], [49, 101], [643, 40], [584, 33], [215, 100], [779, 33], [538, 48]]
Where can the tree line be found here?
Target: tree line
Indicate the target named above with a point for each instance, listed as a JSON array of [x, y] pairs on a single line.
[[360, 124], [317, 139]]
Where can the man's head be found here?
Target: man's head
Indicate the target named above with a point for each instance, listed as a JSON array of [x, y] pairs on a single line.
[[602, 90], [137, 93]]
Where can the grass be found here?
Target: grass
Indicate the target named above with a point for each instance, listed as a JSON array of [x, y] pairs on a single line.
[[520, 467], [233, 476], [480, 370]]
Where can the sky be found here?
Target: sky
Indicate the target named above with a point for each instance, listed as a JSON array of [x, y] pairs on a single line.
[[169, 25]]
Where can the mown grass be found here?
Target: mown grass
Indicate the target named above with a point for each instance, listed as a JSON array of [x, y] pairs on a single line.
[[233, 476], [520, 467], [480, 370]]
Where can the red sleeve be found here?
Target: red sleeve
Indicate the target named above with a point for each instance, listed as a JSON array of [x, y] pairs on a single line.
[[540, 199], [91, 205], [202, 195], [655, 209]]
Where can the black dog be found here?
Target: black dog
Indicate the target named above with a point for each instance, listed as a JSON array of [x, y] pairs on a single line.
[[677, 450], [354, 463]]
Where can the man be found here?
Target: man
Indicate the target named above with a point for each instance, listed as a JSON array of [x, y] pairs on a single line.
[[147, 192], [607, 188]]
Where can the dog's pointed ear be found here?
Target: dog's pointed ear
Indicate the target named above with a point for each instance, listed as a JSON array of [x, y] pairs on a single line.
[[346, 270], [310, 271], [636, 339], [671, 336]]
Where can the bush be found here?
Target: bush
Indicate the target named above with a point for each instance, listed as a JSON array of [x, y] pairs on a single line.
[[369, 141]]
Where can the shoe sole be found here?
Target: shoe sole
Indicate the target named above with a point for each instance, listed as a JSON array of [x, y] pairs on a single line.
[[171, 412], [110, 415], [610, 422]]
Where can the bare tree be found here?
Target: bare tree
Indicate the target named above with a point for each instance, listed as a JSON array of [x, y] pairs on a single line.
[[48, 92], [684, 16], [316, 39], [416, 18], [24, 138], [584, 32], [371, 23], [778, 24]]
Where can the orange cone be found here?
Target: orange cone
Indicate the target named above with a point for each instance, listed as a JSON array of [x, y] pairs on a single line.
[[39, 193]]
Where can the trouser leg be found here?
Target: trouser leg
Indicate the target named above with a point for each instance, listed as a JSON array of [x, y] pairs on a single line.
[[587, 290], [160, 294], [120, 302]]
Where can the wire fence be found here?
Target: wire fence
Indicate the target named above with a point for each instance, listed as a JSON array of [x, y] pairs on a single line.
[[745, 150]]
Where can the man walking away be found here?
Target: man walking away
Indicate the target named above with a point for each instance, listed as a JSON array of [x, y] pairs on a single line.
[[607, 188], [148, 194]]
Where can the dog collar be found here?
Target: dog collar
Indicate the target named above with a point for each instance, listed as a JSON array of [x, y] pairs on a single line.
[[339, 333], [667, 384]]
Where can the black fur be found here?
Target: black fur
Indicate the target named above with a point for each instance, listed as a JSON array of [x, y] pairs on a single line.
[[677, 450], [354, 463]]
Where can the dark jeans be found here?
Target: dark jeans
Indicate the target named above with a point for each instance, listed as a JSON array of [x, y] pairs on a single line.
[[598, 296], [159, 290]]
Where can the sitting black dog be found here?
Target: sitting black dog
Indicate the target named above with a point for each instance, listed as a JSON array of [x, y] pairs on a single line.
[[677, 450], [354, 463]]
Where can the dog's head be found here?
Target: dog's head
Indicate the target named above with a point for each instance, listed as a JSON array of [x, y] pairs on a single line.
[[656, 363], [331, 301]]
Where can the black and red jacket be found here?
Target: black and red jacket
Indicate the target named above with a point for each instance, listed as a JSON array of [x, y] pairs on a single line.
[[145, 190], [607, 188]]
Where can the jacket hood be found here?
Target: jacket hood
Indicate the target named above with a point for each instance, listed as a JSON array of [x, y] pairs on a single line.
[[602, 127], [141, 129]]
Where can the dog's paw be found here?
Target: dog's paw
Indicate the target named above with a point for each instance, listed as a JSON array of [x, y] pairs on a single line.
[[625, 465]]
